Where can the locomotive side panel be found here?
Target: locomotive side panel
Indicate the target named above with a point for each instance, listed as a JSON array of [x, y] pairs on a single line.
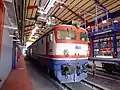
[[41, 46], [43, 49]]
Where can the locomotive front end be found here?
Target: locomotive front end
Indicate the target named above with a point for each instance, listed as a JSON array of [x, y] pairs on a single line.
[[70, 59]]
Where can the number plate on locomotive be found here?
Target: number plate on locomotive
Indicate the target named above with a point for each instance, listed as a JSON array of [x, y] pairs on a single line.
[[78, 47]]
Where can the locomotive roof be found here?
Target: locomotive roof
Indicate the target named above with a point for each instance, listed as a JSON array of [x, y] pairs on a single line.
[[51, 28]]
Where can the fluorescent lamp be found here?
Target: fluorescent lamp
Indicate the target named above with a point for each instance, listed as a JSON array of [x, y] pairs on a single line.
[[104, 21], [115, 21], [68, 38], [41, 18], [60, 6], [53, 17], [88, 27], [59, 1], [50, 4], [9, 27], [16, 40], [39, 11], [12, 36], [33, 31]]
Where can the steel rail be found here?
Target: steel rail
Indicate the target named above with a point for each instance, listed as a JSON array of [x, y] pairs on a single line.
[[93, 85]]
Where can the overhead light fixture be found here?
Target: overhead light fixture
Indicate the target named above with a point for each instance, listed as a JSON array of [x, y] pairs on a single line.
[[16, 32], [41, 12], [104, 21], [115, 21], [88, 27], [52, 5], [30, 20], [9, 27], [48, 5], [12, 36], [16, 40], [61, 6], [53, 17], [33, 31], [59, 1], [39, 17]]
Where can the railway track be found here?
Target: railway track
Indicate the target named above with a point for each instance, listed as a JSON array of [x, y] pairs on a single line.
[[104, 74], [93, 85], [83, 85], [112, 73]]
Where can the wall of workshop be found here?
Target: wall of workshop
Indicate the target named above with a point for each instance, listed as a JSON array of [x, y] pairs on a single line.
[[5, 53]]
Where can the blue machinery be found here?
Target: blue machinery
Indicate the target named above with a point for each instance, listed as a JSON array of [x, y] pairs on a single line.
[[104, 41], [104, 38]]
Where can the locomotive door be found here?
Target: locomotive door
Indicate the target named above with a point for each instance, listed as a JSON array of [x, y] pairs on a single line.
[[47, 44]]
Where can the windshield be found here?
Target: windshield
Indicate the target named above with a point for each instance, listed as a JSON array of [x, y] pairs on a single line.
[[66, 34], [83, 36]]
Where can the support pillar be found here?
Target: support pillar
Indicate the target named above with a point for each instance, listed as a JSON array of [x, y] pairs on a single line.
[[14, 55], [115, 53]]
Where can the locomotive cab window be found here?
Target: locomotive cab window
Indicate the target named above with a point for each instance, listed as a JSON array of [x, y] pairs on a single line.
[[66, 34], [83, 36]]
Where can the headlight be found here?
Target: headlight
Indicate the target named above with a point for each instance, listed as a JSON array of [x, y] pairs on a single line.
[[66, 52], [67, 69]]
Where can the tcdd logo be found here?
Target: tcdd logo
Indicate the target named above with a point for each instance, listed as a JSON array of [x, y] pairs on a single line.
[[78, 47]]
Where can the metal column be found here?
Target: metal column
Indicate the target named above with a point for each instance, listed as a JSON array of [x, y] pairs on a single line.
[[115, 53], [14, 55]]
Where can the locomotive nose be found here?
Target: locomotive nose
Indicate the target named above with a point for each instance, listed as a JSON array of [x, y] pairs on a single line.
[[67, 69], [85, 66]]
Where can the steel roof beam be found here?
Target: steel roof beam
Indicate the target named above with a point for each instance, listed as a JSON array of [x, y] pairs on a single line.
[[29, 25], [98, 3], [27, 9], [58, 18], [27, 30], [33, 18], [59, 8], [31, 7], [73, 12], [111, 15]]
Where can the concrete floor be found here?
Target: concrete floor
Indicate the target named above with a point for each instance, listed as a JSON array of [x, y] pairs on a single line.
[[39, 81], [106, 83]]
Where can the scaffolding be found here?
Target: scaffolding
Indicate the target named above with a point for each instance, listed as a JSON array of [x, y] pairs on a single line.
[[104, 37]]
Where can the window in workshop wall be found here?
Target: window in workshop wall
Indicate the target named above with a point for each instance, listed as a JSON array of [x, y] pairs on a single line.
[[2, 9]]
